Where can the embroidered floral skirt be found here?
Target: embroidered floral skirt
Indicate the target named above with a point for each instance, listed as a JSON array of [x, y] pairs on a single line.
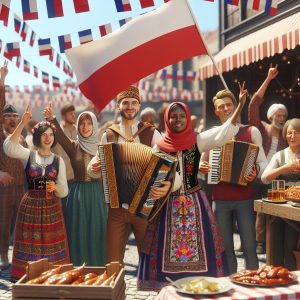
[[186, 242], [40, 233]]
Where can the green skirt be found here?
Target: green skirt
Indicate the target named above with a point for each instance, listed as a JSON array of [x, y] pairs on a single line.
[[86, 219]]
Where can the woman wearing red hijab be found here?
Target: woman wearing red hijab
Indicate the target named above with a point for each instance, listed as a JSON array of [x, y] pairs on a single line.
[[185, 240]]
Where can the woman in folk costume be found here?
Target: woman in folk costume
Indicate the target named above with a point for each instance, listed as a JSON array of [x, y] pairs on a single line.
[[86, 215], [40, 228], [184, 240], [285, 165]]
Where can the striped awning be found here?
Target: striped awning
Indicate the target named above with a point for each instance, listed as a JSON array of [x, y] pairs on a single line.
[[266, 42]]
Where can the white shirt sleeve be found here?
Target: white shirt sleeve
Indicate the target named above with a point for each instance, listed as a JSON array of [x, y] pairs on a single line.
[[16, 150], [61, 180], [261, 160], [273, 164], [217, 136], [156, 137]]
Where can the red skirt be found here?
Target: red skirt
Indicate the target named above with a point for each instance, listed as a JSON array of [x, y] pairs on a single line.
[[40, 232]]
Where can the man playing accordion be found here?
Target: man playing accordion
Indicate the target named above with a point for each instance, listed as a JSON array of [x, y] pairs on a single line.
[[120, 220], [236, 199]]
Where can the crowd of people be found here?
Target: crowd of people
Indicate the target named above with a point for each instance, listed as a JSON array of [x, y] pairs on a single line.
[[61, 212]]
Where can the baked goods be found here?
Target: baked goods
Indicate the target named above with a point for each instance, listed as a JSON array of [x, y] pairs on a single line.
[[293, 193], [266, 275]]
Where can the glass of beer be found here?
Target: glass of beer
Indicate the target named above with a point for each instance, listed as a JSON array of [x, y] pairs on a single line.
[[270, 195], [275, 191], [281, 190]]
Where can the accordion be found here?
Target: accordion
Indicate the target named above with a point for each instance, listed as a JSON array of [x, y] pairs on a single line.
[[232, 162], [129, 170]]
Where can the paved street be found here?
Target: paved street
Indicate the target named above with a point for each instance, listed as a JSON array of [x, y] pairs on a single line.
[[131, 261]]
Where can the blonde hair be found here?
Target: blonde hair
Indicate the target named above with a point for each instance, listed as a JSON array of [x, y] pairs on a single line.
[[223, 94]]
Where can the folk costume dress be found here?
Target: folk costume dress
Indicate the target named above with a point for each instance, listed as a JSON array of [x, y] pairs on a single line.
[[86, 214], [40, 229], [185, 240]]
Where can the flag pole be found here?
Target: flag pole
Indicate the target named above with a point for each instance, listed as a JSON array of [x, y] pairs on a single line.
[[206, 48]]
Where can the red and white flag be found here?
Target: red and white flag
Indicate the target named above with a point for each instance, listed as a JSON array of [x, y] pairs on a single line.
[[146, 44], [4, 11], [105, 29]]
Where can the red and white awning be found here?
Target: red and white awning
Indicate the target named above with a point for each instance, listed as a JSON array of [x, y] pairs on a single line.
[[266, 42]]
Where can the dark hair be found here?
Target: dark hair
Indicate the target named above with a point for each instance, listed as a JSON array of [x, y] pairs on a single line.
[[175, 107], [295, 123], [85, 116], [66, 108], [39, 129], [223, 94]]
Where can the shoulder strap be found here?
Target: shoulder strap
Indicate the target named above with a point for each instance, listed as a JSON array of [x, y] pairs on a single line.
[[115, 129], [282, 157]]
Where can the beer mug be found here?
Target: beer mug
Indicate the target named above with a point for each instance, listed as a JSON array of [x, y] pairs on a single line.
[[281, 190], [275, 191], [270, 195]]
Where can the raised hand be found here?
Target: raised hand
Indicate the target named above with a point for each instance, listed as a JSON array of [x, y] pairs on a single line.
[[48, 112], [3, 72], [273, 72], [27, 115], [243, 93]]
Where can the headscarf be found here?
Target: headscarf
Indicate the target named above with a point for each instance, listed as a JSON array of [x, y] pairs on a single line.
[[89, 144], [172, 141], [274, 108]]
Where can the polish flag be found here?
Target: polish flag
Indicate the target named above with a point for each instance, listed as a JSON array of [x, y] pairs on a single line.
[[146, 44]]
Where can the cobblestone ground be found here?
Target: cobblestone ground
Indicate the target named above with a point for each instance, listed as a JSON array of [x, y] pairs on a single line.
[[131, 261]]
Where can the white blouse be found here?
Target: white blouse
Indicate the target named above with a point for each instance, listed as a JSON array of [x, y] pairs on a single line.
[[15, 150], [276, 163]]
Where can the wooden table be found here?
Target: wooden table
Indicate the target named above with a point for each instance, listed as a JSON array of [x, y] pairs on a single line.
[[286, 212], [240, 292]]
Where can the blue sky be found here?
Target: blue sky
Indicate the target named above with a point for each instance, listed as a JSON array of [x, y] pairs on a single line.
[[101, 12]]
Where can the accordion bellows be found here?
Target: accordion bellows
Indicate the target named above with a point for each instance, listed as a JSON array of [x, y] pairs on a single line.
[[129, 170], [232, 162]]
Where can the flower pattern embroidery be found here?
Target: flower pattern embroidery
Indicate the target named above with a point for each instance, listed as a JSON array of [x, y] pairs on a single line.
[[184, 245]]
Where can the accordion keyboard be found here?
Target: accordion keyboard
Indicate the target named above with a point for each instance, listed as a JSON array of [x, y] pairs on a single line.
[[104, 175], [213, 177], [251, 161]]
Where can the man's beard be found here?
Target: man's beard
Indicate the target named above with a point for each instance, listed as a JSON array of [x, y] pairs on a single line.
[[277, 125], [11, 126], [125, 116]]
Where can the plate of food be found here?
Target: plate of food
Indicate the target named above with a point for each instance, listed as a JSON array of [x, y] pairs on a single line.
[[202, 285], [274, 202], [266, 276]]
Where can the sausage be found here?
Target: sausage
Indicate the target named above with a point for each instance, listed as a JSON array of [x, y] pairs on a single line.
[[273, 272], [101, 279], [44, 276], [109, 279], [78, 281], [53, 279], [89, 281]]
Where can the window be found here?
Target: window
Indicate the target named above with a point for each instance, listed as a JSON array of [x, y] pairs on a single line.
[[233, 15]]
